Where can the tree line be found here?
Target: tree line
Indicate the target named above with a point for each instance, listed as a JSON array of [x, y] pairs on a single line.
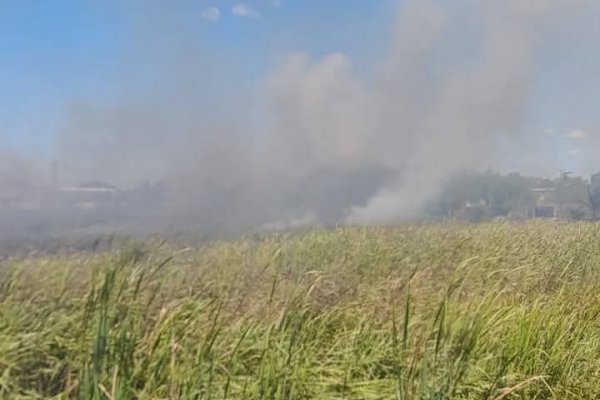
[[489, 194]]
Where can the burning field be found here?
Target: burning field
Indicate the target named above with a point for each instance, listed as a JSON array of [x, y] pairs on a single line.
[[434, 311]]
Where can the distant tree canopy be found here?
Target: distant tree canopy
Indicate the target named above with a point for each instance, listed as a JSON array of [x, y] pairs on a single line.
[[499, 195], [594, 195], [494, 192]]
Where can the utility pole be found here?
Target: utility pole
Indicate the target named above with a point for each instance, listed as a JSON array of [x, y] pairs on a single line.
[[54, 190], [55, 176]]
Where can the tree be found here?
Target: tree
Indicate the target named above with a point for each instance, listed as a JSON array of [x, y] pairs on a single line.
[[496, 194], [594, 195]]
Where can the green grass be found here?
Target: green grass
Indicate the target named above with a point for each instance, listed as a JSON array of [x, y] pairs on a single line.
[[493, 311]]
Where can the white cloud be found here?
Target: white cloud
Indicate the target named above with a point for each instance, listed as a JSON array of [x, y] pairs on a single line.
[[211, 14], [577, 134], [242, 10], [549, 131], [574, 152]]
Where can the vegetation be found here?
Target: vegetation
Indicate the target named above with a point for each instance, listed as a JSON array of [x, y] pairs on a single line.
[[513, 195], [491, 311]]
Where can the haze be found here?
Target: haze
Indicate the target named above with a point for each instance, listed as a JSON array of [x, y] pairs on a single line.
[[294, 112]]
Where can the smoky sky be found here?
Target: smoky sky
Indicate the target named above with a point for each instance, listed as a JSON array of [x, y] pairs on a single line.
[[314, 140]]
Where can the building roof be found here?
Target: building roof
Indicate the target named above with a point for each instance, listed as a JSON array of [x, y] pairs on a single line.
[[89, 190], [543, 190]]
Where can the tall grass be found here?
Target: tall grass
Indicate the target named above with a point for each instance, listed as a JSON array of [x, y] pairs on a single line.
[[496, 311]]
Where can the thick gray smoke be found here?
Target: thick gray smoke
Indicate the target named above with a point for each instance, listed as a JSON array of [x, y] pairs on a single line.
[[458, 122], [315, 141]]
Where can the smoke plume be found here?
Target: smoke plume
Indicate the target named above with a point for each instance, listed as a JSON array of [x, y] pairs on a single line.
[[314, 141]]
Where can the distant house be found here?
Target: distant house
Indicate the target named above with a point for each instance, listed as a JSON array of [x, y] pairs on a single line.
[[90, 196], [549, 203], [472, 211], [545, 203]]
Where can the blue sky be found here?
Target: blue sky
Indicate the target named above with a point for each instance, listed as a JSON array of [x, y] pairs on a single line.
[[53, 53], [50, 53]]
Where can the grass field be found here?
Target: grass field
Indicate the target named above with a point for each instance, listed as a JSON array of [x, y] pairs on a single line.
[[491, 311]]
